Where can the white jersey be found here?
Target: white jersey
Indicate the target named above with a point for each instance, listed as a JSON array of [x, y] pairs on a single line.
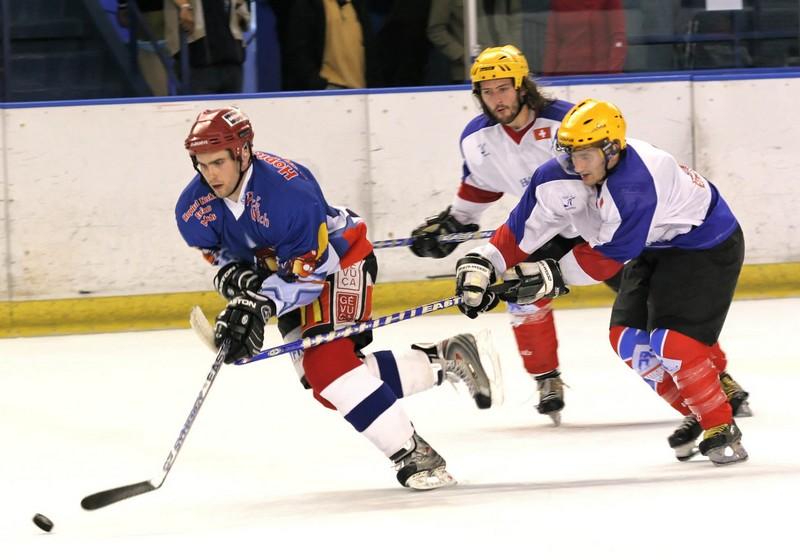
[[499, 160], [647, 202]]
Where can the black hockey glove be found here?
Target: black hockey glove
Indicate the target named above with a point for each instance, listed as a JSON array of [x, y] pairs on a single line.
[[242, 321], [425, 236], [474, 275], [235, 278], [529, 282]]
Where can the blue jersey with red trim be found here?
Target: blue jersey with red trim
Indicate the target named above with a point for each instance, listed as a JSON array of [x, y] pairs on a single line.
[[282, 222]]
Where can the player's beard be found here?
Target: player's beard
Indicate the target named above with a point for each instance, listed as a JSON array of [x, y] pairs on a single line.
[[510, 114]]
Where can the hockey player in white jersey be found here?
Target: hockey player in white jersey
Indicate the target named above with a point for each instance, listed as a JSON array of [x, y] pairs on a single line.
[[501, 149], [283, 251], [683, 249]]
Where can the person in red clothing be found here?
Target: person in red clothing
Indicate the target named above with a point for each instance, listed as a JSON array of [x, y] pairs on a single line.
[[585, 37]]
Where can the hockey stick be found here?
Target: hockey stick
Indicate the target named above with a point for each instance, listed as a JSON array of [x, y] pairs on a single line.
[[344, 332], [108, 497], [205, 332], [447, 238], [310, 342]]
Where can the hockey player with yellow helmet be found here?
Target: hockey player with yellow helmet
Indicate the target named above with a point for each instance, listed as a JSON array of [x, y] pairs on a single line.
[[501, 149], [682, 250]]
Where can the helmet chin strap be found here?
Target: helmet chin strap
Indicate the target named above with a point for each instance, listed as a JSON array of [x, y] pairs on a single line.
[[607, 156], [242, 172]]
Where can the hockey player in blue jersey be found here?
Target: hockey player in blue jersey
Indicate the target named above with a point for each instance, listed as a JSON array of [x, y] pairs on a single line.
[[501, 149], [284, 252], [682, 250]]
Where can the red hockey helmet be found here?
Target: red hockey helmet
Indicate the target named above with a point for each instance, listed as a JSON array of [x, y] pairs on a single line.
[[220, 129]]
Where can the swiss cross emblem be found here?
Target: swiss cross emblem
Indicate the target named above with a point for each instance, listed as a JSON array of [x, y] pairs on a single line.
[[541, 133]]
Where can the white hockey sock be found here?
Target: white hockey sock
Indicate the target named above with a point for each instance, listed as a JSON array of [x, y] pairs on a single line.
[[371, 407], [406, 374]]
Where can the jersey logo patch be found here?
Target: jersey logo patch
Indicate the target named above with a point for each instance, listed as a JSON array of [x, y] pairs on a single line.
[[346, 306], [541, 133], [568, 202]]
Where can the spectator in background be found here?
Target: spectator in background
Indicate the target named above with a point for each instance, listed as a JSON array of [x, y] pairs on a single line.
[[215, 29], [329, 45], [499, 23], [585, 37], [281, 10], [150, 65], [403, 46]]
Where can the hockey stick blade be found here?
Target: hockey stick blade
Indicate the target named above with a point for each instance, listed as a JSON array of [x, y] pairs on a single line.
[[202, 328], [114, 495]]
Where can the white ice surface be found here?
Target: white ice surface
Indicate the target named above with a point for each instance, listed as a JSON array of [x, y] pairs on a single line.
[[268, 473]]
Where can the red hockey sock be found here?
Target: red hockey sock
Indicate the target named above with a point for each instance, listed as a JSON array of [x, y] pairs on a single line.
[[689, 362], [536, 340], [633, 346], [718, 358]]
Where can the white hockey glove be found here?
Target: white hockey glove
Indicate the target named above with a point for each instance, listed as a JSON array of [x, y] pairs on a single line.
[[242, 321], [474, 275], [529, 282]]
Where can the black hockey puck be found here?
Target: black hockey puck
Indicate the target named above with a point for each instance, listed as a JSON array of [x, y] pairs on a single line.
[[43, 522]]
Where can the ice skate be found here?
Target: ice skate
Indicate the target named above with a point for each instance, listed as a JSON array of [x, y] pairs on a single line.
[[737, 396], [683, 439], [722, 444], [470, 360], [551, 395], [420, 467]]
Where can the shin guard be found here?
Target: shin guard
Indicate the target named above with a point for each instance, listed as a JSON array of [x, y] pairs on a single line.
[[633, 346], [689, 363]]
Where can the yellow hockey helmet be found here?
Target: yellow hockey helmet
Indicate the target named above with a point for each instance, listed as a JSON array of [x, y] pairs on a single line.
[[592, 123], [499, 62]]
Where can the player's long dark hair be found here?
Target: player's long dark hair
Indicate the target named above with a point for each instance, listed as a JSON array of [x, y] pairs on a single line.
[[533, 97]]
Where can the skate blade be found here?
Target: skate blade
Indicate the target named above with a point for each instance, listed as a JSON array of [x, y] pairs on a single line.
[[493, 370], [430, 480], [728, 455], [683, 455], [743, 410]]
